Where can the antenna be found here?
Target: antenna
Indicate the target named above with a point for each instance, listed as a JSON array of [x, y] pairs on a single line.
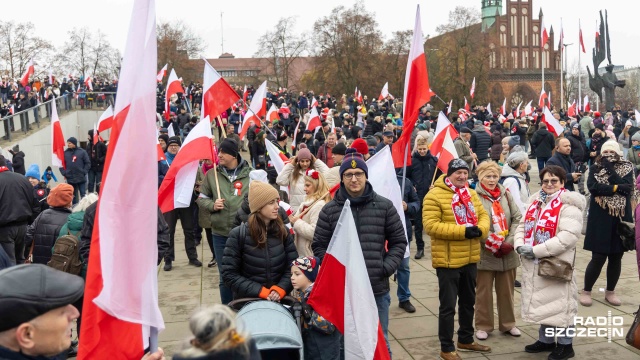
[[221, 32]]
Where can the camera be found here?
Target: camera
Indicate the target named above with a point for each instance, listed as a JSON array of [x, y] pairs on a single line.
[[581, 167]]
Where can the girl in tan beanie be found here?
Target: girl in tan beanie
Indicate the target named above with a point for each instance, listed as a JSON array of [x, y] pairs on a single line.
[[317, 190], [258, 253]]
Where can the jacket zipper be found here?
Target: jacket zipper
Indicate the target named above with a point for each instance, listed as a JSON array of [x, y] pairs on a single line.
[[266, 251]]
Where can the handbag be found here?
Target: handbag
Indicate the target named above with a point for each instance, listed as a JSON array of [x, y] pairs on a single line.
[[29, 259], [627, 233], [633, 336], [555, 268], [263, 160]]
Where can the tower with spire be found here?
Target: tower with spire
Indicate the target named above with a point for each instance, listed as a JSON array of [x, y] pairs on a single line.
[[491, 9]]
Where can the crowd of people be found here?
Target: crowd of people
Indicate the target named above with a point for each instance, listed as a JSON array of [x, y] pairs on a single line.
[[266, 242]]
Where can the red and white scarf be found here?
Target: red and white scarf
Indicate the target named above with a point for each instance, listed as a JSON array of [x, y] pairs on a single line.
[[498, 218], [540, 224], [462, 206]]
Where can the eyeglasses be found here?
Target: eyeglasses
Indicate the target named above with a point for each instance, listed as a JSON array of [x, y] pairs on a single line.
[[552, 182], [350, 176]]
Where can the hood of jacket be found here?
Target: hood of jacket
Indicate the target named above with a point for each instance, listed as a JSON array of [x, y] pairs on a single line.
[[572, 198], [508, 171], [75, 220]]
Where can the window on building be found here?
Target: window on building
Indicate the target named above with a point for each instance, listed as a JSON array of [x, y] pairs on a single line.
[[514, 31], [492, 60], [525, 31], [536, 37], [525, 59], [251, 73], [514, 59], [503, 59], [534, 59], [228, 73]]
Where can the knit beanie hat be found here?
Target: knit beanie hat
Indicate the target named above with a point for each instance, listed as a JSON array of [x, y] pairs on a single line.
[[600, 126], [260, 194], [164, 137], [611, 145], [34, 171], [230, 147], [455, 165], [636, 136], [372, 141], [259, 175], [174, 140], [354, 160], [361, 146], [304, 154], [309, 265], [513, 141], [60, 196], [339, 149], [73, 140]]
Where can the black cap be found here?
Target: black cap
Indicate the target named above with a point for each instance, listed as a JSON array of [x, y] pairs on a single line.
[[174, 140], [465, 130], [387, 133], [308, 131], [28, 291], [339, 149], [230, 146]]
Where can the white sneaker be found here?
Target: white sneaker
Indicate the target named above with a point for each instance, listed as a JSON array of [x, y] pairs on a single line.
[[482, 335], [514, 332]]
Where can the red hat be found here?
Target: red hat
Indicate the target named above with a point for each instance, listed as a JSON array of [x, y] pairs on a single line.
[[361, 146], [596, 114]]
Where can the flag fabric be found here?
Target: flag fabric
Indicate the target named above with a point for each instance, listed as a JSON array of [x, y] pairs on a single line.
[[355, 94], [442, 146], [582, 41], [106, 120], [359, 97], [177, 187], [162, 73], [586, 104], [170, 131], [571, 109], [160, 153], [314, 102], [561, 43], [342, 293], [528, 109], [489, 109], [121, 289], [95, 133], [552, 123], [257, 109], [314, 120], [88, 83], [417, 92], [173, 87], [24, 80], [449, 106], [472, 92], [544, 35], [272, 114], [217, 94], [277, 159], [385, 91], [295, 135], [289, 211], [12, 109], [466, 104], [517, 114], [503, 108], [543, 96], [57, 138]]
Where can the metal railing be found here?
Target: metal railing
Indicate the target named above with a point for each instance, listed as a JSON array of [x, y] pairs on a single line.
[[23, 121]]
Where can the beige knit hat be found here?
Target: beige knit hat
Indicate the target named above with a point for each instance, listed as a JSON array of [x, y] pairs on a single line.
[[260, 194]]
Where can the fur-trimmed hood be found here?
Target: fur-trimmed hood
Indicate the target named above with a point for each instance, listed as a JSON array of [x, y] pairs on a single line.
[[572, 198]]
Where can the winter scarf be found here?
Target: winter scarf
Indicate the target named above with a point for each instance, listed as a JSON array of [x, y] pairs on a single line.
[[615, 203]]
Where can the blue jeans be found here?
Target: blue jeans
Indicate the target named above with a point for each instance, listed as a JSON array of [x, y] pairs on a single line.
[[404, 293], [562, 340], [542, 161], [383, 302], [82, 188], [219, 242]]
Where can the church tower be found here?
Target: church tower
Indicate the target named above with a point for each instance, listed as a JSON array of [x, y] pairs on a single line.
[[490, 10]]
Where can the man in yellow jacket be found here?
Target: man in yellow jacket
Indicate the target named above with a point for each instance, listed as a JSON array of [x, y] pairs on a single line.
[[456, 221]]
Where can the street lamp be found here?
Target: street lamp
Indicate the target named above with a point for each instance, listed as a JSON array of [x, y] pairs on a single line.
[[562, 75]]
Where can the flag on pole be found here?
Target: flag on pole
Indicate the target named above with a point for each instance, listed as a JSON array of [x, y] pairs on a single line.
[[503, 108], [162, 73], [95, 133], [12, 109], [528, 109], [385, 91], [581, 40], [106, 120], [473, 88], [571, 109], [295, 135], [466, 104], [57, 139], [342, 293], [449, 106], [543, 96], [244, 97], [217, 94], [314, 102], [442, 146], [417, 92], [544, 35], [173, 87], [170, 131], [359, 97], [552, 123], [586, 104], [561, 43], [177, 187], [257, 109], [517, 114], [272, 114], [88, 83], [314, 120], [489, 109], [121, 293], [24, 80]]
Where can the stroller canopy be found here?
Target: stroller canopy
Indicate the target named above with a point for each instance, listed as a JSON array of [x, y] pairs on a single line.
[[270, 325]]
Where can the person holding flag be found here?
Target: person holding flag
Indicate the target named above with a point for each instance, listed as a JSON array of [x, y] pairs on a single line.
[[454, 218]]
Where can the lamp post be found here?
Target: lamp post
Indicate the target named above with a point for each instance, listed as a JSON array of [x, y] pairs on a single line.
[[563, 53]]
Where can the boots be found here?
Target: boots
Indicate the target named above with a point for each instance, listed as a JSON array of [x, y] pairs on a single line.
[[562, 352], [612, 298], [585, 298]]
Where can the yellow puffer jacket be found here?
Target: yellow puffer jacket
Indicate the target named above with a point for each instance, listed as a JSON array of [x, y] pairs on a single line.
[[449, 247]]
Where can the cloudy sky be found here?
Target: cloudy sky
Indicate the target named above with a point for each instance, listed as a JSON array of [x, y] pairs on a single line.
[[245, 21]]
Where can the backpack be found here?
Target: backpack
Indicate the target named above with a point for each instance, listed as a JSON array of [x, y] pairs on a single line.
[[503, 178], [66, 255]]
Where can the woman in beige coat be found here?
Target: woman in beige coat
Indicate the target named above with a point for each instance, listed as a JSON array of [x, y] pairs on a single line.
[[304, 220], [293, 173], [545, 301], [498, 261]]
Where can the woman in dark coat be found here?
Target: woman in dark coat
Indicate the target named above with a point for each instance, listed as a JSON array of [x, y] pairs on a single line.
[[258, 253], [611, 184], [496, 144], [259, 151]]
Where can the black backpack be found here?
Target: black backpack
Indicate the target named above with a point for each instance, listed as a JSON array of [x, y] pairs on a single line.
[[503, 178], [66, 254]]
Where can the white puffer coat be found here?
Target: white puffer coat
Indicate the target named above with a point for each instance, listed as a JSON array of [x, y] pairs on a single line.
[[546, 301], [296, 191]]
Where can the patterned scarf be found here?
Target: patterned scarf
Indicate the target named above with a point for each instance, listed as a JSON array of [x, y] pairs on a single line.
[[462, 206], [541, 220], [615, 203], [498, 218]]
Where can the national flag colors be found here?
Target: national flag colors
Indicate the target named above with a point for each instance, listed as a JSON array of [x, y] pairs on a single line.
[[442, 146], [217, 94], [472, 92], [106, 120], [162, 73], [314, 120], [173, 87], [544, 35], [57, 138], [257, 109], [552, 123], [24, 80], [586, 105], [582, 41], [272, 114], [88, 83], [541, 99], [385, 92]]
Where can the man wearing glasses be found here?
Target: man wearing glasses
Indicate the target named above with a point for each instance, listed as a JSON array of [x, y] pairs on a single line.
[[376, 221]]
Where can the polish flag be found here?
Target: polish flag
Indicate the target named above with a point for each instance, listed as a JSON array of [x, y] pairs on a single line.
[[286, 207], [272, 114], [466, 104], [177, 187], [161, 155], [295, 135], [95, 134], [12, 109], [417, 92], [173, 87], [385, 92], [277, 159], [359, 97], [586, 104], [257, 109], [162, 73], [544, 35], [552, 124], [244, 97], [355, 93], [77, 92], [57, 139], [170, 131], [120, 310], [314, 102], [528, 109], [489, 109], [218, 95], [314, 120], [503, 108], [106, 120], [543, 96], [27, 73], [571, 109], [88, 83], [442, 146], [561, 43], [473, 88], [517, 114], [449, 107], [342, 293], [582, 41]]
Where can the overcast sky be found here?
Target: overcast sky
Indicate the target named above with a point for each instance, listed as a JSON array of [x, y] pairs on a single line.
[[244, 21]]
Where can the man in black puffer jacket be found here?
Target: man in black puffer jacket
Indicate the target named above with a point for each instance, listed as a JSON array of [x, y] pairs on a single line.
[[376, 221], [98, 154], [542, 145], [77, 165], [480, 141]]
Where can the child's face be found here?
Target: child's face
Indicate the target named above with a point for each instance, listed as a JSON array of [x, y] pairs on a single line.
[[298, 279]]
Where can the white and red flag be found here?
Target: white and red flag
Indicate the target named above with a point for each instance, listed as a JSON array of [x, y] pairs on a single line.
[[12, 109], [314, 120], [120, 308], [442, 146], [571, 109], [342, 293], [177, 187], [543, 96], [449, 106], [517, 113], [88, 83], [385, 91], [95, 133], [314, 102], [544, 35], [355, 94], [217, 94], [528, 109], [106, 120], [162, 73], [503, 108], [489, 109], [359, 97], [417, 92], [257, 109], [170, 131], [552, 123], [277, 159], [173, 87], [586, 104], [466, 104], [24, 80], [272, 114], [295, 135], [57, 138], [472, 92], [582, 41]]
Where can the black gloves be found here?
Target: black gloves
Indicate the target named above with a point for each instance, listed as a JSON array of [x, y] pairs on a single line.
[[608, 165], [625, 189], [307, 311], [472, 232]]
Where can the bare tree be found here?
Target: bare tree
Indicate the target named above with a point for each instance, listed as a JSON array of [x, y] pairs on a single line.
[[76, 52], [177, 42], [18, 46], [282, 47], [393, 61], [87, 54]]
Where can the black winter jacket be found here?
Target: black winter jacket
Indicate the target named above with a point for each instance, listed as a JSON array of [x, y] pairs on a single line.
[[242, 215], [579, 151], [17, 202], [98, 154], [44, 231], [542, 143], [565, 162], [77, 164], [18, 163], [376, 221], [246, 268], [480, 142], [413, 203], [421, 172]]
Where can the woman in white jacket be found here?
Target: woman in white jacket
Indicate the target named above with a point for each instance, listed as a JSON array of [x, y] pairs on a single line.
[[550, 227], [292, 175], [304, 224]]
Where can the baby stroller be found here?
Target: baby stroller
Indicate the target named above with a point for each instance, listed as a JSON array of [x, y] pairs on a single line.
[[275, 327]]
